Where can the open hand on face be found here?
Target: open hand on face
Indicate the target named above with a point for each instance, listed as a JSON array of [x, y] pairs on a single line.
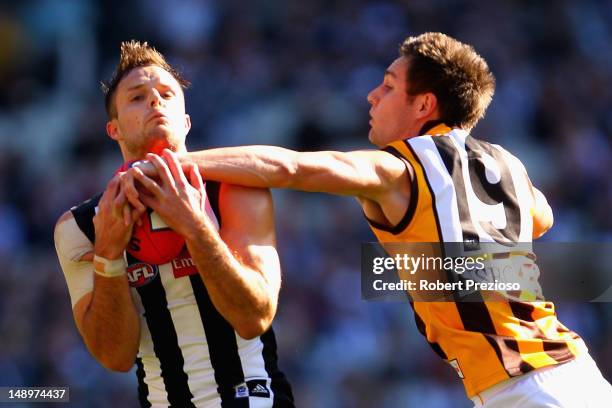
[[179, 199]]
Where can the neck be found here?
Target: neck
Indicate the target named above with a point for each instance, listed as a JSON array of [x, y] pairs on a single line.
[[157, 148], [430, 124]]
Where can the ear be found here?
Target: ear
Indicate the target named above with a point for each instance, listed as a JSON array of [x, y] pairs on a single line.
[[112, 129], [427, 106], [187, 123]]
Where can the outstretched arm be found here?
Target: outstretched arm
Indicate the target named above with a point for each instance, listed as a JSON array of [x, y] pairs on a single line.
[[379, 180], [364, 173]]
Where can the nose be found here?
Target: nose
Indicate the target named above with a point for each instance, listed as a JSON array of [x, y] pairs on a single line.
[[372, 97], [156, 99]]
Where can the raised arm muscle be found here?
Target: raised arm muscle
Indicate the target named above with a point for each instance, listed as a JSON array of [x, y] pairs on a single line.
[[364, 173]]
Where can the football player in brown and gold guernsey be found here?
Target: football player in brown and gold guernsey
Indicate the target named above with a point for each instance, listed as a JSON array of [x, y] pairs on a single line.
[[431, 181]]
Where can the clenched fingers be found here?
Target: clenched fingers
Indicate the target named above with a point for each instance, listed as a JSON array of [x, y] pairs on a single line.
[[150, 185], [162, 170], [175, 167], [196, 181], [128, 186]]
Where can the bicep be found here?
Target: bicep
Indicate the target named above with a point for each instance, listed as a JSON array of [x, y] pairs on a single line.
[[247, 228], [364, 173]]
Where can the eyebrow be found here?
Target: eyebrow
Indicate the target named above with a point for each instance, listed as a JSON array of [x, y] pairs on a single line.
[[132, 88], [390, 73], [135, 87]]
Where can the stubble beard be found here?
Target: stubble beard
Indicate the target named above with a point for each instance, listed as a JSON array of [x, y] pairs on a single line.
[[154, 141]]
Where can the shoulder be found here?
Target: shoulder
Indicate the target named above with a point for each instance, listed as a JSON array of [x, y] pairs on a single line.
[[246, 210], [515, 164], [65, 217], [87, 206], [393, 161], [71, 243], [244, 199], [74, 230], [82, 216], [64, 224], [389, 156], [394, 172]]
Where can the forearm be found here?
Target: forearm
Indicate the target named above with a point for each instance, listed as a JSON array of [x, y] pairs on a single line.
[[253, 166], [365, 174], [110, 325], [242, 295]]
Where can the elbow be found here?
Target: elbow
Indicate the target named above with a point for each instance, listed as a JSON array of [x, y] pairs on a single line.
[[248, 334], [113, 360], [121, 367], [543, 223], [551, 218], [116, 364], [549, 223], [253, 328], [250, 330]]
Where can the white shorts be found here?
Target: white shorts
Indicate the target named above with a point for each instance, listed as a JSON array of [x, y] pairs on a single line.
[[575, 384]]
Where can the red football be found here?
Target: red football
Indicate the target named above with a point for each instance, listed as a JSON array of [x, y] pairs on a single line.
[[153, 242]]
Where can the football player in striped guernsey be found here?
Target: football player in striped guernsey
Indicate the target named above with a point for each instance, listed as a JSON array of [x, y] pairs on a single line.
[[431, 181], [198, 326]]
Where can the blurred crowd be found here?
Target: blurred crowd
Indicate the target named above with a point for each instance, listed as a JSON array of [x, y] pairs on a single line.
[[296, 74]]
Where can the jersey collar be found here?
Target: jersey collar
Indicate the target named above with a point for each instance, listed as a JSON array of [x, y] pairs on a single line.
[[435, 129]]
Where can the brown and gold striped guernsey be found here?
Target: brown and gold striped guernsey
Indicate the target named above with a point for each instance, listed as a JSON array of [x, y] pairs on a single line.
[[489, 341]]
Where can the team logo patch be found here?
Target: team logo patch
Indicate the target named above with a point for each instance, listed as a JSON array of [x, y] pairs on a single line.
[[139, 274], [258, 388], [252, 388], [241, 391], [183, 265]]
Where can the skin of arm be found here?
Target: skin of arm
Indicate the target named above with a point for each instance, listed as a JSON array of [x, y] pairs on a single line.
[[106, 317], [363, 173], [238, 264], [380, 181], [542, 214]]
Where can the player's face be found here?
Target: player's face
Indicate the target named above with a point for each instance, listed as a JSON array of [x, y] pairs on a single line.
[[150, 113], [392, 114]]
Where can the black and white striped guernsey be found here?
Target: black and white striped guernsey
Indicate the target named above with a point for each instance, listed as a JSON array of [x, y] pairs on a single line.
[[189, 355]]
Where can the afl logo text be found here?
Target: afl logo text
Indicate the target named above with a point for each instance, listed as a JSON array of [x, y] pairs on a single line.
[[141, 273]]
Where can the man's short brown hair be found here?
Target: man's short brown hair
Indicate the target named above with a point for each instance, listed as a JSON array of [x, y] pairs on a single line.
[[454, 72], [135, 54]]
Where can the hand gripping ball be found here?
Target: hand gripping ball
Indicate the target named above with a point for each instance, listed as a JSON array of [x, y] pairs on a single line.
[[153, 242]]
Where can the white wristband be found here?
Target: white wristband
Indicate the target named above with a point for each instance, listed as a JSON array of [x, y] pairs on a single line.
[[109, 268]]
